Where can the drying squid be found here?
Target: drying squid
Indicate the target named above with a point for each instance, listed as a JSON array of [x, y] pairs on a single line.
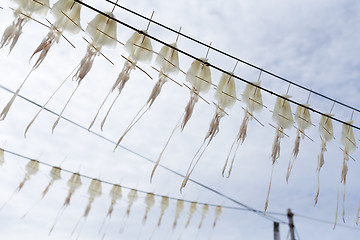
[[164, 206], [67, 17], [349, 143], [204, 212], [178, 211], [55, 174], [150, 202], [102, 30], [253, 99], [283, 117], [115, 194], [303, 120], [2, 159], [192, 211], [140, 49], [199, 76], [132, 197], [22, 15], [31, 168], [94, 191], [218, 211], [326, 134], [226, 96], [73, 183], [168, 60]]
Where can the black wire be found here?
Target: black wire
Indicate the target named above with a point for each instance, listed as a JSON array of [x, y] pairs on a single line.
[[215, 67], [258, 212], [233, 57]]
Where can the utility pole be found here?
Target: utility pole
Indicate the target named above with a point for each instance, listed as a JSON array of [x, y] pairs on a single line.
[[276, 231], [291, 224]]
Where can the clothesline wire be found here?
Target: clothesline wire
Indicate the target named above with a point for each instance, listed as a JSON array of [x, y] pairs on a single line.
[[217, 68], [250, 209], [231, 56], [188, 201]]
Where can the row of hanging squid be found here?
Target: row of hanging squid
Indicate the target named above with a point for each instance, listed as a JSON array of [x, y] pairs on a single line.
[[95, 191], [103, 32]]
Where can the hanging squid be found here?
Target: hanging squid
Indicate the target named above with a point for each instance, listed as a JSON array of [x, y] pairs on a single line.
[[204, 212], [303, 120], [140, 49], [31, 168], [178, 211], [115, 194], [349, 143], [283, 117], [67, 17], [253, 99], [22, 15], [150, 202], [102, 30], [226, 96], [168, 60], [192, 211], [199, 76], [73, 183], [132, 197], [2, 159], [94, 191], [55, 174], [218, 211], [164, 206], [326, 134]]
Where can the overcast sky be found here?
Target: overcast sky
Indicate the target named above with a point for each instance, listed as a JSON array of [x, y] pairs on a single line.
[[315, 44]]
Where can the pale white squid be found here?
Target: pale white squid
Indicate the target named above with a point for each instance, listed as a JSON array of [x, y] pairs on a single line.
[[253, 99], [22, 15], [94, 191], [150, 202], [193, 206], [326, 134], [349, 143], [168, 60], [164, 205], [226, 97], [139, 48], [178, 210], [115, 194], [204, 212], [73, 184], [132, 197], [2, 158], [67, 17], [31, 168], [303, 120], [218, 211], [199, 75], [103, 31], [55, 175], [282, 115]]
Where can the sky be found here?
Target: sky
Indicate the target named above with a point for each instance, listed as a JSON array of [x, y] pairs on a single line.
[[314, 44]]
